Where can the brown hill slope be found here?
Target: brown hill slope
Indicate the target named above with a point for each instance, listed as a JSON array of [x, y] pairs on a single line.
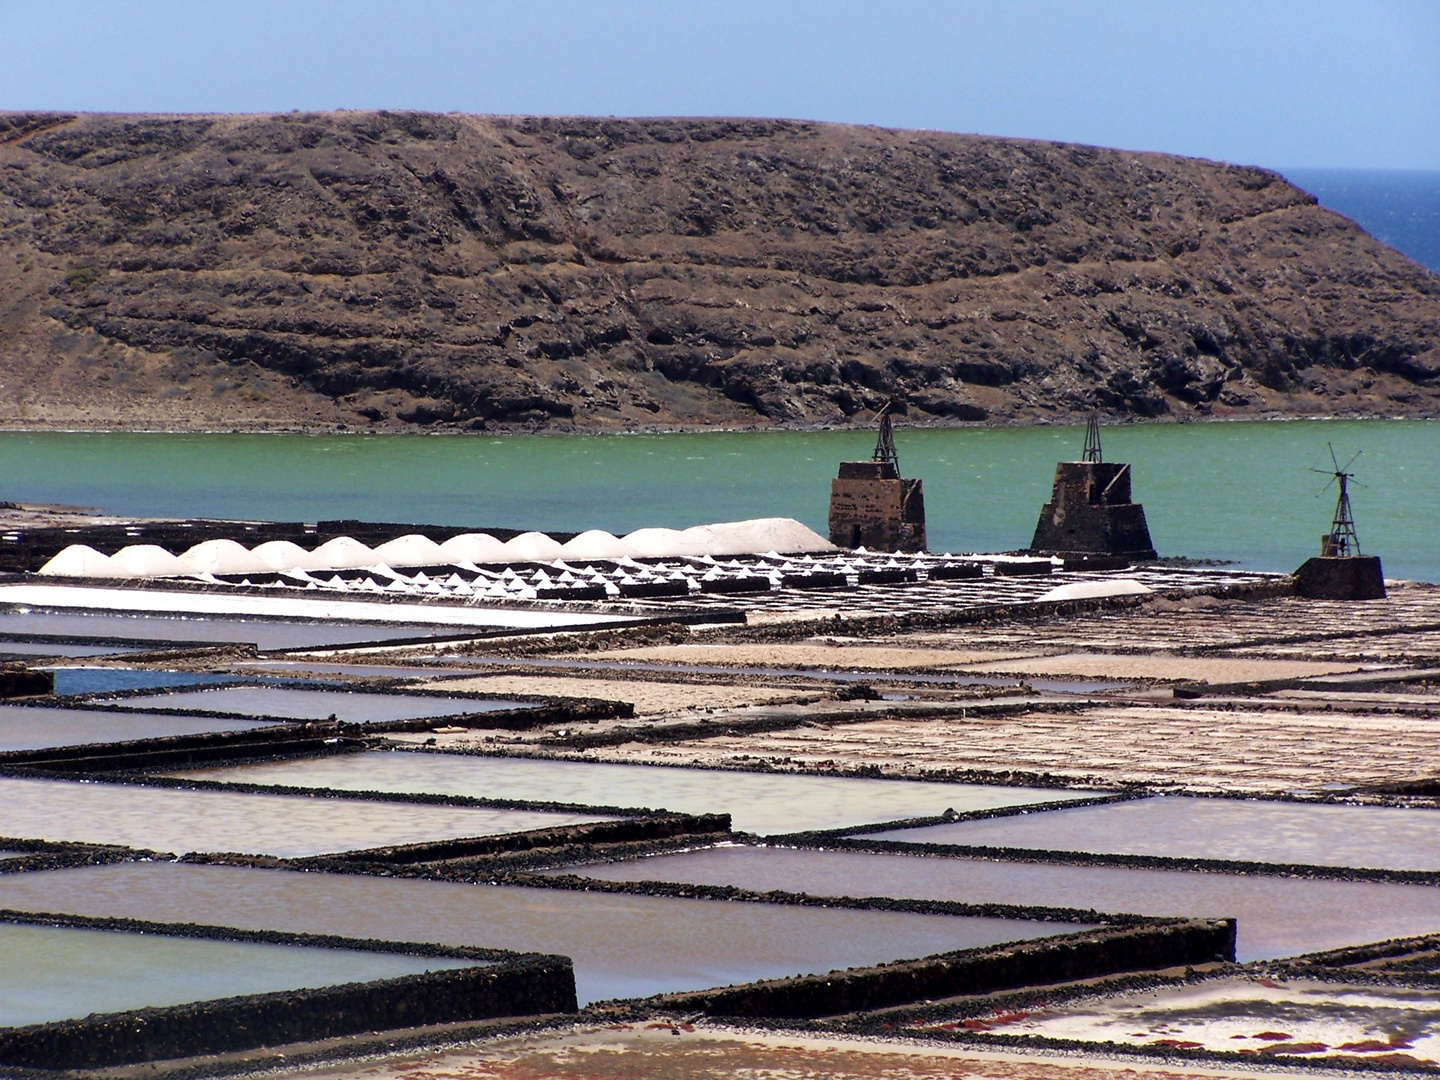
[[400, 268]]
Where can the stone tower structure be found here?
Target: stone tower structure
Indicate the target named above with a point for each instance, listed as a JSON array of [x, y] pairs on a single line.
[[1090, 511], [871, 506]]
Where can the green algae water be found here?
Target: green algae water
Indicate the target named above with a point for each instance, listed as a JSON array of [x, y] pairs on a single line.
[[1235, 491]]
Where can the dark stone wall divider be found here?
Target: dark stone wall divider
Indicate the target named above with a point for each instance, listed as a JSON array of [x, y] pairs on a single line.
[[1155, 945], [528, 986], [598, 832]]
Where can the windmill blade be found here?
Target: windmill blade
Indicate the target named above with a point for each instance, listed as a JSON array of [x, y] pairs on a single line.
[[1351, 461], [1333, 460]]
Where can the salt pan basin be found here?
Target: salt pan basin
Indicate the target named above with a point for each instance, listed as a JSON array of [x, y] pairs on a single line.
[[762, 803], [264, 634], [164, 602], [1378, 837], [285, 826], [1256, 1016], [50, 973], [25, 727], [293, 703], [622, 945], [1277, 916]]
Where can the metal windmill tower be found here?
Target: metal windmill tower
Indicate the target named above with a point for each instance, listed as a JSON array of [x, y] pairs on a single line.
[[1341, 540], [1092, 440], [885, 442]]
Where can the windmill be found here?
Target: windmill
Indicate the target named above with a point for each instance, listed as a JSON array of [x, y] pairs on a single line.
[[1341, 540], [885, 441], [1092, 440]]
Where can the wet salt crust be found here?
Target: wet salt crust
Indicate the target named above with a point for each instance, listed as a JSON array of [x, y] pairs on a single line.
[[299, 704], [1380, 837], [34, 728], [763, 803], [622, 945], [1251, 1016], [285, 826], [52, 973], [1277, 916]]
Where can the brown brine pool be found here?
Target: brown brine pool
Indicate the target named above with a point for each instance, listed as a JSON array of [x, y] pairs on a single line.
[[763, 803], [1253, 830], [299, 703], [1278, 916], [622, 945], [30, 727], [285, 826]]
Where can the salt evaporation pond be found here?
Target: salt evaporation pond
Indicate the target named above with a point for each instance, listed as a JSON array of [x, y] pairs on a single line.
[[762, 803], [294, 703], [622, 945], [1318, 834], [65, 650], [285, 826], [70, 681], [264, 634], [1278, 916], [29, 727], [50, 973]]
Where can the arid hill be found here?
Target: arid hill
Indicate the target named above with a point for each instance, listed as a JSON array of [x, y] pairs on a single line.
[[392, 269]]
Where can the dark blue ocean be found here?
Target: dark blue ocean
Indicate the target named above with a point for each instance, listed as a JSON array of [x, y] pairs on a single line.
[[1399, 207]]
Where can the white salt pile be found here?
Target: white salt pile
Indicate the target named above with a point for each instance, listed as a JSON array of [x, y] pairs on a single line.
[[1094, 590], [411, 549], [221, 557]]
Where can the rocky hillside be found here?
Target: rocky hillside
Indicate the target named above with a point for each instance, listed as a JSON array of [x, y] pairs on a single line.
[[395, 269]]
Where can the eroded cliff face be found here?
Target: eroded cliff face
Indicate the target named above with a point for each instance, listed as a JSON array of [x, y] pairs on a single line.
[[400, 269]]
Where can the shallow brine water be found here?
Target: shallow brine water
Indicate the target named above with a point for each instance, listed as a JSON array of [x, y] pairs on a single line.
[[1233, 490], [285, 826], [1379, 837], [1277, 916], [622, 945], [291, 703], [763, 803], [32, 728], [52, 973]]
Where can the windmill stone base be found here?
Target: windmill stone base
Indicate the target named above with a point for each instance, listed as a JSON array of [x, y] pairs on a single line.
[[1341, 577], [1090, 512], [872, 507]]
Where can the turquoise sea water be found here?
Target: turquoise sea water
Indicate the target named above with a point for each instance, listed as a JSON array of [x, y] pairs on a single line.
[[1239, 491]]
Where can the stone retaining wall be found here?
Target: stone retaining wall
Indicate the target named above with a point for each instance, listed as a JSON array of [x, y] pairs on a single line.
[[973, 971]]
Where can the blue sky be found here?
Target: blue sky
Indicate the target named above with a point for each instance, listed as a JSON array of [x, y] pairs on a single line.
[[1317, 84]]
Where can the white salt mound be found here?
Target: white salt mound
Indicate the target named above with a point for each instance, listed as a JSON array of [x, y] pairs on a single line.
[[667, 543], [596, 544], [79, 560], [473, 548], [759, 535], [282, 555], [411, 549], [532, 547], [342, 553], [1093, 590], [144, 560], [220, 557]]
